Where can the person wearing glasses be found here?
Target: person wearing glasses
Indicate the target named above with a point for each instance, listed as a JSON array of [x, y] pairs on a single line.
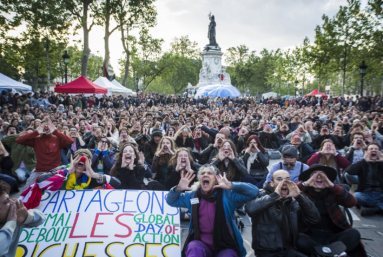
[[103, 156], [289, 163], [269, 212]]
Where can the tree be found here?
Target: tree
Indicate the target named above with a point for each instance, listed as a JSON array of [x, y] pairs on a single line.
[[82, 10], [185, 47], [147, 64]]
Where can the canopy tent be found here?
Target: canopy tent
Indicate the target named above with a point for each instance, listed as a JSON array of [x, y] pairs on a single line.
[[8, 83], [81, 85], [126, 90], [218, 90], [105, 83], [317, 93]]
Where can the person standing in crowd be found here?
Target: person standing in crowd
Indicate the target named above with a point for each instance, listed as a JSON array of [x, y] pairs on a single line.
[[212, 230], [47, 143], [369, 193], [278, 208]]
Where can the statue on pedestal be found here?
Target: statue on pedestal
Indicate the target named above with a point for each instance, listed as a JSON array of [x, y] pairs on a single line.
[[212, 35]]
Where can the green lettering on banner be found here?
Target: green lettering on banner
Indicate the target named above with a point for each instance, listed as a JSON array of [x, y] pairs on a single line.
[[66, 224], [150, 218], [42, 234], [30, 235], [23, 230], [177, 239], [173, 221], [166, 219], [167, 239], [137, 220], [137, 236], [60, 219], [159, 220], [53, 235], [51, 216], [66, 231], [143, 219]]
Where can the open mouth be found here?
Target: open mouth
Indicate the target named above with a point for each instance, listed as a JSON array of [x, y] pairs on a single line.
[[319, 183], [128, 158], [183, 162], [226, 152], [284, 190], [205, 182], [219, 141], [80, 164], [373, 155]]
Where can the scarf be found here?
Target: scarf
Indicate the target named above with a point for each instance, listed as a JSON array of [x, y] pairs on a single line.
[[222, 236], [72, 182], [197, 146], [250, 160]]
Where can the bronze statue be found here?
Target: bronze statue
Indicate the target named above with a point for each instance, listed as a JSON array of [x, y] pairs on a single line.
[[211, 32]]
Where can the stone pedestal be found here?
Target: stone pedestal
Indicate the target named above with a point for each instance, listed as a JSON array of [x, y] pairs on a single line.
[[212, 71]]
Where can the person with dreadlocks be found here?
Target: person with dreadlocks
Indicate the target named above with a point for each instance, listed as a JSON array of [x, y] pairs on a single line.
[[212, 202]]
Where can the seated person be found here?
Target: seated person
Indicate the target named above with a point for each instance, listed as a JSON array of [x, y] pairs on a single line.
[[127, 169], [304, 135], [227, 162], [270, 211], [13, 218], [328, 156], [369, 193], [213, 230], [211, 151], [324, 134], [354, 154], [317, 183], [304, 150], [282, 133], [181, 161], [289, 163], [268, 138], [241, 139], [256, 160], [103, 156], [150, 147], [183, 138]]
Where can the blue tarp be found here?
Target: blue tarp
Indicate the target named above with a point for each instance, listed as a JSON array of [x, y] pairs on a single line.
[[218, 90]]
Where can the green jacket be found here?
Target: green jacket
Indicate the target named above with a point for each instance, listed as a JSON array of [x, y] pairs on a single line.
[[20, 153]]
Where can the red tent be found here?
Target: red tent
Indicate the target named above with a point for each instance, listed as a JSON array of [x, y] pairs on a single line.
[[81, 85], [316, 92]]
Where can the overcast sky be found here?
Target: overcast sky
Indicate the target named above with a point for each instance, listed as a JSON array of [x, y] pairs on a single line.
[[257, 24]]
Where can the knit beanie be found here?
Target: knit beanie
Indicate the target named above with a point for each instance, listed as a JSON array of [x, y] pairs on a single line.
[[157, 132], [83, 151]]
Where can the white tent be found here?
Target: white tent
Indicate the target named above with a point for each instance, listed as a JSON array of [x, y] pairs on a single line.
[[8, 83], [126, 90], [105, 83]]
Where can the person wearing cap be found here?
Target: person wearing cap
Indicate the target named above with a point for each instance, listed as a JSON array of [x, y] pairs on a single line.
[[275, 212], [211, 201], [150, 147], [289, 163], [317, 183], [370, 180]]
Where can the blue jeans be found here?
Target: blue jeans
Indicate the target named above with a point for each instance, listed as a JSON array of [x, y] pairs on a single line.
[[369, 199], [22, 174], [351, 179], [251, 180], [8, 179]]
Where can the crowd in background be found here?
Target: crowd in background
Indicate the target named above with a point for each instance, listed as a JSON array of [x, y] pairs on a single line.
[[327, 148]]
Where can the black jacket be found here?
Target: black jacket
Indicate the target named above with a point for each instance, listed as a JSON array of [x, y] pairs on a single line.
[[172, 177], [361, 168], [208, 154], [261, 162], [188, 142], [240, 170], [271, 142], [131, 179], [319, 139], [149, 150], [267, 218], [348, 153], [282, 140]]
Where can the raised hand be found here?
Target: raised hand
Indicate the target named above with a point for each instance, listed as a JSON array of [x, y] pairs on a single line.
[[223, 182], [231, 154], [73, 164], [293, 189], [311, 182], [185, 180], [51, 127], [326, 181], [21, 212], [141, 158], [40, 129], [178, 167], [221, 154], [12, 214]]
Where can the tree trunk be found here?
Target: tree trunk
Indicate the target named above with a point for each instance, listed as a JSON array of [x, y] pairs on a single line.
[[48, 66], [86, 50], [127, 52], [107, 34]]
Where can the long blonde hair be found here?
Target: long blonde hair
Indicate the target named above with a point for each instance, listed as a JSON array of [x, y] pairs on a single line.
[[172, 143], [330, 162]]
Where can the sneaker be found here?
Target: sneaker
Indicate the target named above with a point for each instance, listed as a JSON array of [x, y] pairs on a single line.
[[370, 211]]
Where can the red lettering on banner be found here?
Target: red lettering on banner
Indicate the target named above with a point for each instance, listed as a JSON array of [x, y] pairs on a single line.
[[74, 226], [96, 223], [174, 229], [124, 225]]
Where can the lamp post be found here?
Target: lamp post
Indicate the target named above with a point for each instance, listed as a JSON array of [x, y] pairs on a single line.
[[296, 84], [362, 68], [66, 61]]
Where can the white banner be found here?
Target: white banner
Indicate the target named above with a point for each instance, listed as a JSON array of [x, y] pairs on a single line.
[[101, 223]]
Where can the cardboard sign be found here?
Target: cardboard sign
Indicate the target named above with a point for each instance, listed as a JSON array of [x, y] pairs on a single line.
[[101, 223]]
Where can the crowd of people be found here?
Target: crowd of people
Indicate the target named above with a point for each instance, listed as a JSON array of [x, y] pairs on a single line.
[[212, 155]]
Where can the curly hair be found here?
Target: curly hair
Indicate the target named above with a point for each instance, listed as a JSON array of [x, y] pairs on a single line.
[[5, 188], [116, 167]]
